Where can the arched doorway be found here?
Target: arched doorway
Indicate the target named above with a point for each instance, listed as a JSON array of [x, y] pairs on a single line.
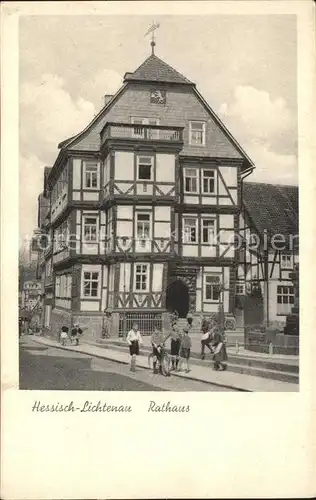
[[177, 298]]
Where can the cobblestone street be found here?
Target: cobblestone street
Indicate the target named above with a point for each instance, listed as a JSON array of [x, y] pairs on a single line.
[[49, 368]]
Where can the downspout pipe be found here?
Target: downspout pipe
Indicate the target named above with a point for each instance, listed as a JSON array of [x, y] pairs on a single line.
[[243, 176], [266, 270]]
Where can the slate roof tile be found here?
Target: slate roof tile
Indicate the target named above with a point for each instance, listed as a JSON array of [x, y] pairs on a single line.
[[154, 69], [272, 207]]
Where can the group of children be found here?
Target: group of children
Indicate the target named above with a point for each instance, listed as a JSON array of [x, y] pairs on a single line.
[[180, 343], [75, 335], [180, 347]]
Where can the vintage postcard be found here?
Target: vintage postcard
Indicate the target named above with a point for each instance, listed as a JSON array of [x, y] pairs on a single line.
[[156, 172]]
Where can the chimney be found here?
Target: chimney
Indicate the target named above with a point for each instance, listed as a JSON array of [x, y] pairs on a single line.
[[107, 98]]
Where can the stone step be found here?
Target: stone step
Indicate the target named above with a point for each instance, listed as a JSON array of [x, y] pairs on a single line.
[[257, 368], [250, 361]]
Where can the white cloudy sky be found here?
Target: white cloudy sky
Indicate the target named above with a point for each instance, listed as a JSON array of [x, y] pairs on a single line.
[[245, 67]]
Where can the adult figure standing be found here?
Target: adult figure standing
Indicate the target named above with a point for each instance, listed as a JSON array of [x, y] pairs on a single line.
[[220, 353], [206, 337]]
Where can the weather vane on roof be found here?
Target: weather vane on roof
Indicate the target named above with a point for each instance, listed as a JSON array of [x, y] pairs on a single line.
[[152, 30]]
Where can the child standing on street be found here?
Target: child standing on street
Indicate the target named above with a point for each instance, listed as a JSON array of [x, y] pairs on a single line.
[[185, 350], [175, 346], [134, 339], [157, 343], [76, 333], [189, 320], [63, 335]]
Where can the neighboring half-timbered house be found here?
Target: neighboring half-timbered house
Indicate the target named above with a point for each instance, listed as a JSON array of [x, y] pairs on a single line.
[[145, 205], [269, 229], [44, 251]]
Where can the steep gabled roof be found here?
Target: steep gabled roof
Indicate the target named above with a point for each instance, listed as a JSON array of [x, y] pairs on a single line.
[[249, 165], [64, 144], [154, 69], [272, 207]]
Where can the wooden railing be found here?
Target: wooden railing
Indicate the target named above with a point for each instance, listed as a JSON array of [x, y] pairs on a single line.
[[141, 132]]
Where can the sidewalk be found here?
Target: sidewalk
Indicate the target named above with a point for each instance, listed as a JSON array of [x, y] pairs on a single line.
[[263, 367], [238, 382], [196, 349]]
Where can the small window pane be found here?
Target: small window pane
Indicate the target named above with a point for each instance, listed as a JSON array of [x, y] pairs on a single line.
[[145, 217], [91, 168], [208, 173], [144, 172], [190, 172], [147, 160], [216, 292], [197, 125], [90, 220], [212, 279]]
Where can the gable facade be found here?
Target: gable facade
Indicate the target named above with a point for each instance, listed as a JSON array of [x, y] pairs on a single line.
[[150, 194], [182, 107]]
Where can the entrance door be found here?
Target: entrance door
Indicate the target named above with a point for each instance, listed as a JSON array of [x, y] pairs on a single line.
[[177, 298]]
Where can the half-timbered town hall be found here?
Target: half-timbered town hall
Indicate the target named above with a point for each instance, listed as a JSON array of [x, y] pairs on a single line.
[[143, 207]]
